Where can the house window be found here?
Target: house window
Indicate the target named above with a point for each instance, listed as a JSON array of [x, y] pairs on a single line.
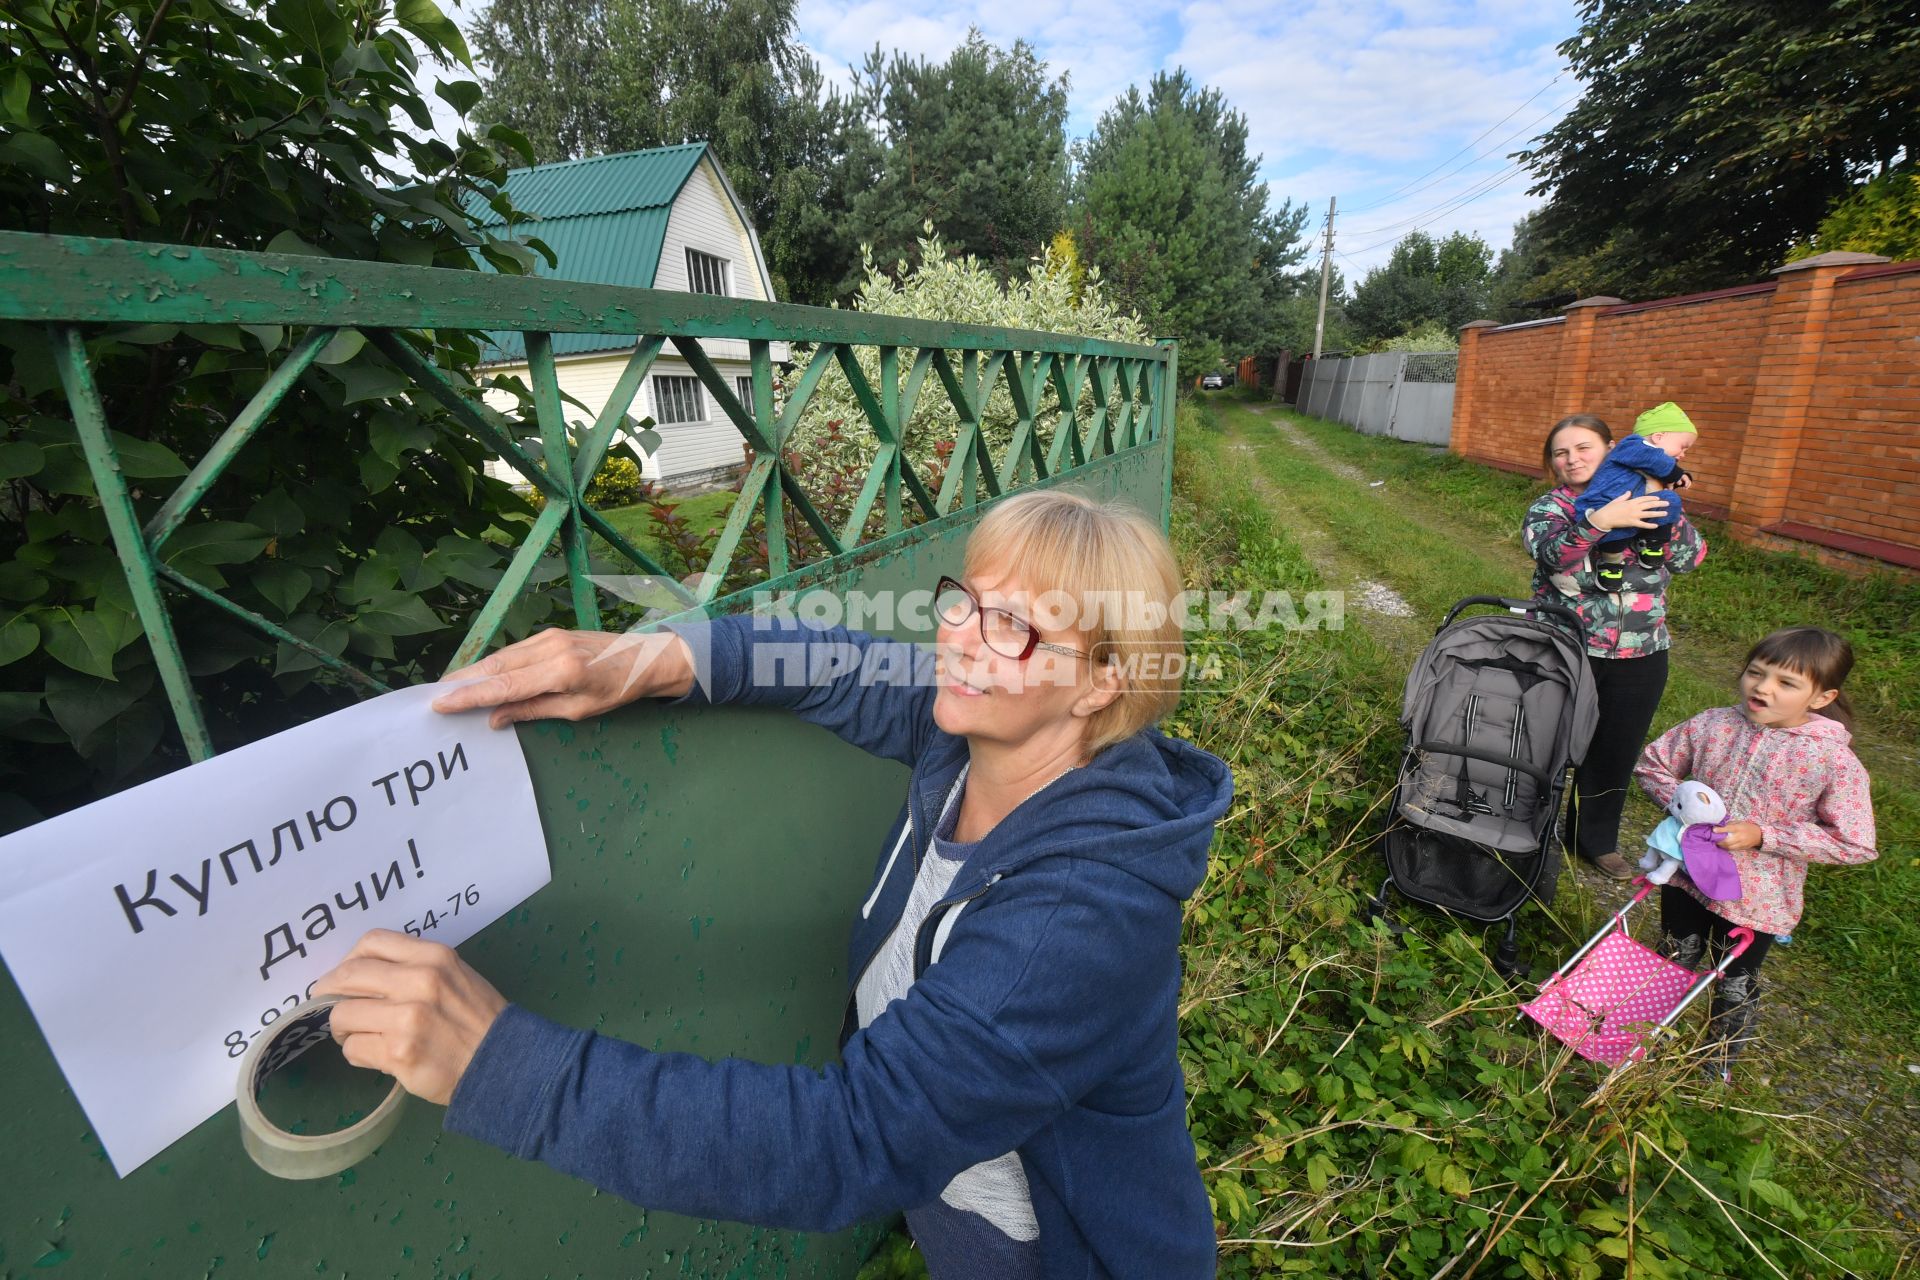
[[743, 387], [706, 273], [677, 400]]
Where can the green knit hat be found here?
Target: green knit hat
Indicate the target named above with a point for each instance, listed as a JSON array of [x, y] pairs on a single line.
[[1664, 417]]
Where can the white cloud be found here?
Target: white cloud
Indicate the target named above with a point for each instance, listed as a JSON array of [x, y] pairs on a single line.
[[1355, 98]]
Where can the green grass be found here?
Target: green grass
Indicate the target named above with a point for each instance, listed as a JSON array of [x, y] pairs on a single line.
[[1364, 1106], [703, 512], [636, 524], [1441, 528], [1738, 595]]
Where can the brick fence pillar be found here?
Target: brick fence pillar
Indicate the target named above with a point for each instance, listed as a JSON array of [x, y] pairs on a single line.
[[1576, 355], [1464, 385], [1783, 386]]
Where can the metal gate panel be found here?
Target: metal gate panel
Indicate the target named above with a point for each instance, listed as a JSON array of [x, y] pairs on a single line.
[[707, 863]]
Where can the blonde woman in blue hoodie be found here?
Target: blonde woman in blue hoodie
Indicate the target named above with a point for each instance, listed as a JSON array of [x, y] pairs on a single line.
[[1009, 1076]]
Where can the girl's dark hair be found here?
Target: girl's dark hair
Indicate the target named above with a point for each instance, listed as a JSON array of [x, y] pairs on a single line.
[[1585, 421], [1816, 653]]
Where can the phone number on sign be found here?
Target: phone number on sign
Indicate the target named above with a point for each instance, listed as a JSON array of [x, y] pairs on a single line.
[[237, 1041]]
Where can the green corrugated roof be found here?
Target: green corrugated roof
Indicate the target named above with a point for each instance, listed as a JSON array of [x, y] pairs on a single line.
[[598, 184], [605, 217]]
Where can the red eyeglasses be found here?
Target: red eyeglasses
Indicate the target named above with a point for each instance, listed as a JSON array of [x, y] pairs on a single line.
[[1005, 633]]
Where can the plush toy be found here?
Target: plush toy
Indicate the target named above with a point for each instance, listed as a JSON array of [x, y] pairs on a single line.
[[1687, 839]]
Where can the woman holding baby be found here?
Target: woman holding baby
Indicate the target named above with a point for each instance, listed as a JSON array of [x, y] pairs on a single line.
[[1594, 559]]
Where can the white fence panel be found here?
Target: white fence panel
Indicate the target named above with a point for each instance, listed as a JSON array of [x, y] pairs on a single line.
[[1408, 396], [1425, 412]]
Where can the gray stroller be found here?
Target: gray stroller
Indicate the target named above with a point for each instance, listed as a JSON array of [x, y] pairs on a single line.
[[1498, 710]]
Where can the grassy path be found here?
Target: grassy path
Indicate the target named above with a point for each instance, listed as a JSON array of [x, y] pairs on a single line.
[[1391, 522]]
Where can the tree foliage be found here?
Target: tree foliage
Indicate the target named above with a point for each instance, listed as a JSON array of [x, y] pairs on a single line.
[[1881, 217], [976, 145], [1172, 206], [1424, 283], [833, 443], [1518, 290], [357, 520], [1713, 134]]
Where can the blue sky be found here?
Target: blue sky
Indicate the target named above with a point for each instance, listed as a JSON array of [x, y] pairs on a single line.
[[1406, 111]]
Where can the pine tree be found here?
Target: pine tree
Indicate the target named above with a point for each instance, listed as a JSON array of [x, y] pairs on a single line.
[[1172, 204]]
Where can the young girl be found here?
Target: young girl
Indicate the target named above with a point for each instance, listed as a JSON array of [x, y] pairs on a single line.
[[1795, 795]]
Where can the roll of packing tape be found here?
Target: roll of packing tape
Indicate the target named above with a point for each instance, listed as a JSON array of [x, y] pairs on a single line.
[[300, 1155]]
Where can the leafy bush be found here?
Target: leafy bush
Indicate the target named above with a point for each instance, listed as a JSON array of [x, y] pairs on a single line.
[[1431, 336], [1881, 217], [617, 483], [357, 519], [833, 440]]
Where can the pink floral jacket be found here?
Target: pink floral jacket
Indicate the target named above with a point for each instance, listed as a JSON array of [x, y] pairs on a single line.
[[1803, 787]]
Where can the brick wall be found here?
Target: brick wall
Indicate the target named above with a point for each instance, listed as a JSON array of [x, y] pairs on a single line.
[[1806, 391], [1858, 469]]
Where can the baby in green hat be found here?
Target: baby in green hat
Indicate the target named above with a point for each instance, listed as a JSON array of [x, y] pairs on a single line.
[[1646, 462]]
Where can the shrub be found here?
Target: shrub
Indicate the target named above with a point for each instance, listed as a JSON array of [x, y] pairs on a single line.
[[833, 438], [1881, 217], [357, 521], [617, 483]]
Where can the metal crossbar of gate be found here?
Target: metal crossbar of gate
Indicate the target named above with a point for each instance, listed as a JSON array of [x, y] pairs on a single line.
[[706, 864]]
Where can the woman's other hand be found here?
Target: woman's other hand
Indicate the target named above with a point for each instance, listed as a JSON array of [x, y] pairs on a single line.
[[1627, 512], [572, 675], [1735, 836], [423, 1015]]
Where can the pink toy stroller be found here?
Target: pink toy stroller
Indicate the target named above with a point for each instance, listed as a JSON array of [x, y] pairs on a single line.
[[1615, 994]]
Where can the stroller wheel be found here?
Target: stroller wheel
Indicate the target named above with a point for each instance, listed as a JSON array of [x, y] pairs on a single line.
[[1506, 957], [1377, 909]]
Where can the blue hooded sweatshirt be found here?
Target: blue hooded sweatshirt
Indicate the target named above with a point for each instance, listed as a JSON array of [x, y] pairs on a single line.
[[1047, 1026]]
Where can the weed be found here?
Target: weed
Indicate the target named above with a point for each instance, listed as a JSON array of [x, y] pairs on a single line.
[[1364, 1105]]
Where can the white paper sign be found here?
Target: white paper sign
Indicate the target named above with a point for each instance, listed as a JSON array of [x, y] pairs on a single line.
[[157, 932]]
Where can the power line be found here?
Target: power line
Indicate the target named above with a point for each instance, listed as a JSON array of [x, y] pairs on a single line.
[[1484, 189], [1374, 231], [1498, 146], [1392, 195], [1426, 216]]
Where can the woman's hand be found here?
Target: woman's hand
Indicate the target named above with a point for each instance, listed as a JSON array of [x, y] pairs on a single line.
[[1735, 836], [424, 1015], [1628, 512], [572, 675]]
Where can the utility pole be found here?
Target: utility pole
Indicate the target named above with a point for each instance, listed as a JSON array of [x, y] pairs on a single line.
[[1326, 268]]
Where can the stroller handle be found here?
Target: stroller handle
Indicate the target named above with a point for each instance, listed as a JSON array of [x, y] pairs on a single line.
[[1540, 607], [1742, 938]]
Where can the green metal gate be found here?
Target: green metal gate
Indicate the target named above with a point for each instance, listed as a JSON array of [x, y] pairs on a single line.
[[706, 864]]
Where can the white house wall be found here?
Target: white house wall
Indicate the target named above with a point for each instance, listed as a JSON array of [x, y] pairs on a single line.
[[686, 448], [703, 218]]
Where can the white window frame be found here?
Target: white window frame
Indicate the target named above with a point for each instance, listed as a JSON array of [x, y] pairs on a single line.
[[743, 388], [674, 393], [709, 269]]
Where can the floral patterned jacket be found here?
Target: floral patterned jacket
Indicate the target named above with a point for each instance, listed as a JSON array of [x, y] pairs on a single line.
[[1629, 623], [1803, 787]]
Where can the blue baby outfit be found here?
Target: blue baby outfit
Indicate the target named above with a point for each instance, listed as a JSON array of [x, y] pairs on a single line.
[[1626, 470]]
